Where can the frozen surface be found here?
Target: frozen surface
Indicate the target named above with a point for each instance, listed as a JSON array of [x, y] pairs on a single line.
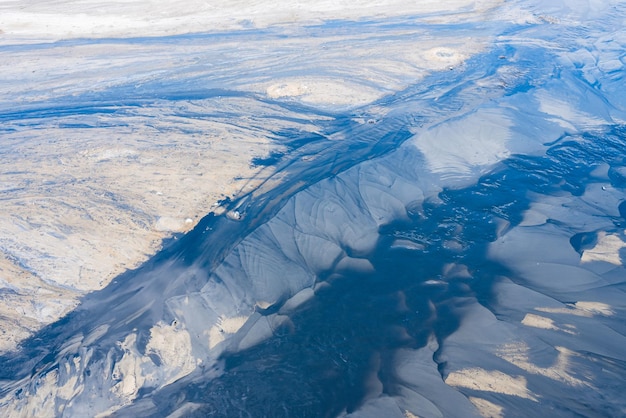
[[414, 212], [113, 144], [43, 19]]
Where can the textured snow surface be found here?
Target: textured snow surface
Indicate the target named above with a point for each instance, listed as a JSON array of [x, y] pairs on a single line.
[[330, 209]]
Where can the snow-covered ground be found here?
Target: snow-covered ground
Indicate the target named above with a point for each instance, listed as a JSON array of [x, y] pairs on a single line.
[[125, 123], [52, 20], [99, 166]]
